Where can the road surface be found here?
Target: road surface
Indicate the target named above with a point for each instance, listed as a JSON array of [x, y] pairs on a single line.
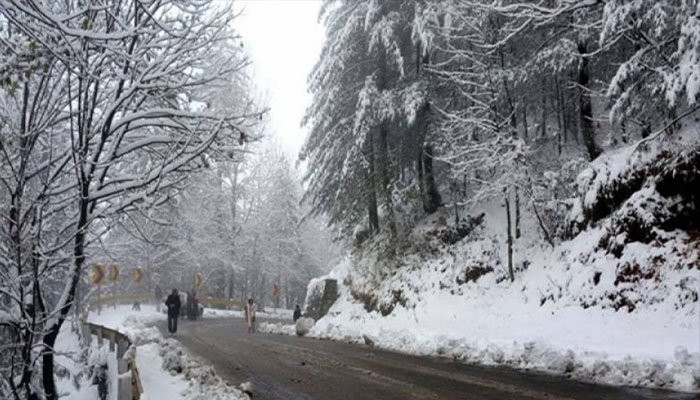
[[293, 368]]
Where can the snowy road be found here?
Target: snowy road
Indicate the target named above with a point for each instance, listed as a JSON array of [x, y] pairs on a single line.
[[287, 367]]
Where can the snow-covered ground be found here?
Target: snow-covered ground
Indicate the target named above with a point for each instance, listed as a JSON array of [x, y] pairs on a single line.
[[656, 348], [166, 370], [603, 306]]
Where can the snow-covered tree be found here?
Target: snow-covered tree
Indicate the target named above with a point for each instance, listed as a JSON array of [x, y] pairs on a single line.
[[106, 115]]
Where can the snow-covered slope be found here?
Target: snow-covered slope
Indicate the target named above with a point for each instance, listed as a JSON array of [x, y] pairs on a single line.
[[616, 303]]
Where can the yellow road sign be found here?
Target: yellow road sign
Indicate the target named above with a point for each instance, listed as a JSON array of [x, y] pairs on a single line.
[[98, 274], [137, 274], [114, 273]]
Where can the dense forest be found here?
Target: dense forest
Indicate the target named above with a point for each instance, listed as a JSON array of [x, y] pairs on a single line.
[[426, 104], [518, 180]]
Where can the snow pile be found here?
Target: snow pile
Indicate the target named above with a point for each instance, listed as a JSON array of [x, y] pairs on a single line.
[[616, 304], [277, 328], [204, 383], [76, 369], [277, 313], [180, 376]]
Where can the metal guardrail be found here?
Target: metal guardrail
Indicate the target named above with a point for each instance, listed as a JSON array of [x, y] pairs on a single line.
[[128, 380]]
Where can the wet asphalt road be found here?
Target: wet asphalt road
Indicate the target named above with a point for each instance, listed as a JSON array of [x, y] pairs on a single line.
[[290, 368]]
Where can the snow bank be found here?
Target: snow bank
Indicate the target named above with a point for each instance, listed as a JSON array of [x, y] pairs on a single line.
[[277, 328], [74, 375], [616, 304], [276, 313], [179, 376]]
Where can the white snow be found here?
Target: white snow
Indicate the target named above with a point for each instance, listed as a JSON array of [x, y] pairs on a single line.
[[493, 323], [166, 370], [575, 309]]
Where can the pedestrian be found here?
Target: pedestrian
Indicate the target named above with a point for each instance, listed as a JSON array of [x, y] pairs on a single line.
[[297, 313], [192, 304], [173, 304], [250, 310], [159, 297]]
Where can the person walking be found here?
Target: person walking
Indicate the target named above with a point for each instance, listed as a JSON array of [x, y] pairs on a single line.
[[297, 313], [173, 304], [250, 310]]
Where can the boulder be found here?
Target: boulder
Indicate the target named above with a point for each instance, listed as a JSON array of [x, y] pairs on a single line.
[[304, 325], [320, 296]]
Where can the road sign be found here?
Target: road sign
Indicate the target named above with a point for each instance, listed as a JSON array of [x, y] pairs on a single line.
[[114, 273], [198, 281], [98, 274], [137, 275]]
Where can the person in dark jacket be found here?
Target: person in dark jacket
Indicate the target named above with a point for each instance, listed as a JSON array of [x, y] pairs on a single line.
[[173, 304], [297, 313]]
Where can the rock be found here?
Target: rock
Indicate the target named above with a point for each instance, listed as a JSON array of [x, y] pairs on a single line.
[[304, 325], [321, 294], [369, 341]]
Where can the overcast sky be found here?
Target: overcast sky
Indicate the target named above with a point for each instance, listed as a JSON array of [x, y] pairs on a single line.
[[283, 39]]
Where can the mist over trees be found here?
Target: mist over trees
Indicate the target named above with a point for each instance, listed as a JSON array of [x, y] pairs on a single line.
[[239, 224], [421, 104]]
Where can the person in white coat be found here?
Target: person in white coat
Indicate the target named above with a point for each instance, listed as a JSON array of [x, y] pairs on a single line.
[[250, 310]]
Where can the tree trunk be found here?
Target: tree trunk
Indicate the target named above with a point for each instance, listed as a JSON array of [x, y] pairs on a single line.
[[49, 340], [382, 150], [543, 119], [517, 214], [372, 190], [510, 236], [585, 106], [383, 160], [525, 132], [561, 135], [431, 197]]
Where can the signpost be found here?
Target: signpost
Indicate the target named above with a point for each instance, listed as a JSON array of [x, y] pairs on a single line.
[[98, 279], [114, 273], [137, 275]]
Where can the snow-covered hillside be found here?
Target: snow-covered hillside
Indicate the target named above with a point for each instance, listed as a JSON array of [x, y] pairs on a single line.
[[617, 303]]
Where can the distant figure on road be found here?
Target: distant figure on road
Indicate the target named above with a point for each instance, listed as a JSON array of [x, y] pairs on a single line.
[[159, 297], [173, 304], [192, 306], [250, 310], [297, 313]]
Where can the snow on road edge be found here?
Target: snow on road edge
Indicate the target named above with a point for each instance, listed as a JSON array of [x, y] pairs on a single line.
[[179, 375]]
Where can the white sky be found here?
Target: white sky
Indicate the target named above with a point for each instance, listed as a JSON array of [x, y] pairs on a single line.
[[283, 39]]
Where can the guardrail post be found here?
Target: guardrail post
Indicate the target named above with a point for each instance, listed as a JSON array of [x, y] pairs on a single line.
[[122, 345], [124, 388], [128, 381], [122, 365]]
